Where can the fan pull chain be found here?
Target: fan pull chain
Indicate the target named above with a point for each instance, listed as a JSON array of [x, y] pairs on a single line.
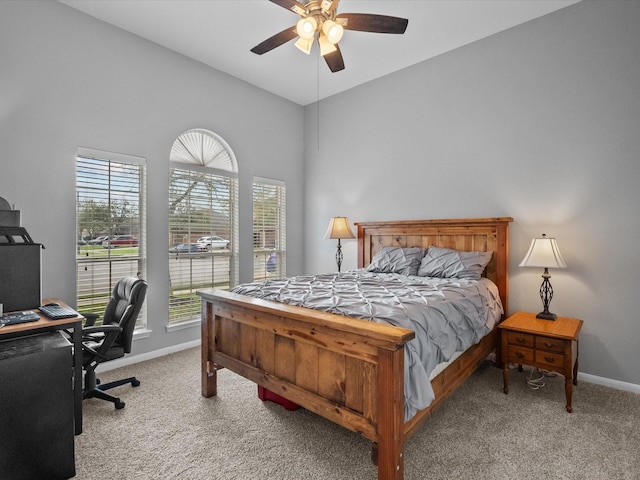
[[318, 101]]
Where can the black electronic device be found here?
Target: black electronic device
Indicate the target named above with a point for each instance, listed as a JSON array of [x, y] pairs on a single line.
[[20, 276], [20, 263], [36, 418], [56, 312], [18, 317]]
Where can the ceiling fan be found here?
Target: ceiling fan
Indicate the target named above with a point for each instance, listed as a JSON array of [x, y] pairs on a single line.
[[319, 19]]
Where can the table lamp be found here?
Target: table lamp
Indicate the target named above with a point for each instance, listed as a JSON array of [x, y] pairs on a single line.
[[544, 252], [339, 228]]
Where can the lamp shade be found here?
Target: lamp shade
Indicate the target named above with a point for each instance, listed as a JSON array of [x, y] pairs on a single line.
[[543, 252], [326, 47], [304, 44], [339, 228]]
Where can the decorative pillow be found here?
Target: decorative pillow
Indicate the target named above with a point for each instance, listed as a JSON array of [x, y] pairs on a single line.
[[397, 260], [448, 263]]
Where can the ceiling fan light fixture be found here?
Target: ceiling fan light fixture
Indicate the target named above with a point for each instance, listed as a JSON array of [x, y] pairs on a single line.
[[321, 17], [306, 28], [333, 31], [304, 44], [326, 47]]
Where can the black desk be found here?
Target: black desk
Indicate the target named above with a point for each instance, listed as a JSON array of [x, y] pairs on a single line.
[[46, 324]]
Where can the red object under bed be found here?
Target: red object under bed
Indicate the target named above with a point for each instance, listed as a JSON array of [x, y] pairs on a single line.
[[264, 395]]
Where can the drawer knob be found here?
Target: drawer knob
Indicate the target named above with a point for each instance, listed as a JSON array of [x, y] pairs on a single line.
[[549, 359], [520, 340], [548, 344], [519, 354]]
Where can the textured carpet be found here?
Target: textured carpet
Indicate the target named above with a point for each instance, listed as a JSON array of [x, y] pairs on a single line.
[[169, 431]]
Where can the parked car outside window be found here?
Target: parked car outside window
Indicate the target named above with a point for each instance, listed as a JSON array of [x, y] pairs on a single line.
[[185, 248], [99, 240], [207, 243], [121, 240]]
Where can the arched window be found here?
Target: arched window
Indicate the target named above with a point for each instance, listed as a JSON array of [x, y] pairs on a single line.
[[203, 148], [203, 220]]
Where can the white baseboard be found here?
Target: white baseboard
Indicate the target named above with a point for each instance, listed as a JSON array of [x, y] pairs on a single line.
[[607, 382], [131, 359]]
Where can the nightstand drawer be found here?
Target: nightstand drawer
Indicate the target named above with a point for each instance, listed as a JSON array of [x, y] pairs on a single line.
[[521, 339], [518, 354], [550, 344], [551, 359]]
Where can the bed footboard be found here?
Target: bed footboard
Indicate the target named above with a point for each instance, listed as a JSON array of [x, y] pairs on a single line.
[[329, 364]]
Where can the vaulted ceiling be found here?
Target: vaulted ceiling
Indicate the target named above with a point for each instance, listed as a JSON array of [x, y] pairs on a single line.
[[220, 33]]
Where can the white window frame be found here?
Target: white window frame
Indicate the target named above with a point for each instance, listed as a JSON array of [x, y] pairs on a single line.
[[117, 265], [269, 234]]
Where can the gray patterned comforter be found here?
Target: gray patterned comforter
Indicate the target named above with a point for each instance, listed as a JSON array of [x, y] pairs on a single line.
[[448, 315]]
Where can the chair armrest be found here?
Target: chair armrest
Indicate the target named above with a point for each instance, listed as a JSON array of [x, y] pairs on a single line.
[[90, 319], [97, 334], [98, 340], [101, 329]]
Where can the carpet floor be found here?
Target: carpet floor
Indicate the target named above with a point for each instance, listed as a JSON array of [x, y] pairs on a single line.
[[169, 431]]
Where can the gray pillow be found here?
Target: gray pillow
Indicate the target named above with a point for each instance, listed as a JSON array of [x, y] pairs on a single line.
[[448, 263], [397, 260]]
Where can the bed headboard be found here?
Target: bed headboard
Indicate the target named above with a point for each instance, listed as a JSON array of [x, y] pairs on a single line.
[[468, 234]]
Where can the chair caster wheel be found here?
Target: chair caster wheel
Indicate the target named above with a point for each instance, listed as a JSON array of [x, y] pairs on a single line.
[[119, 405], [135, 383]]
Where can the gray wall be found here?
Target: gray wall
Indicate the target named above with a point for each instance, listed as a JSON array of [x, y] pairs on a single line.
[[68, 80], [541, 123]]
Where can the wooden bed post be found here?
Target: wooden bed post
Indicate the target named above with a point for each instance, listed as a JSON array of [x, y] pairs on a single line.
[[209, 373], [390, 414]]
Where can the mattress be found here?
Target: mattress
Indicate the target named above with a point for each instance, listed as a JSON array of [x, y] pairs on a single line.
[[448, 315]]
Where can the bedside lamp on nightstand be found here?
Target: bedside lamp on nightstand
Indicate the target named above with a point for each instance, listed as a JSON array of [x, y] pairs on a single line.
[[339, 228], [544, 252]]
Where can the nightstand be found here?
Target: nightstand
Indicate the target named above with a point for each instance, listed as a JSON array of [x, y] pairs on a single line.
[[547, 344]]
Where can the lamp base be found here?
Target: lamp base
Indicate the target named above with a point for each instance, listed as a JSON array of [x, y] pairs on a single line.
[[547, 316]]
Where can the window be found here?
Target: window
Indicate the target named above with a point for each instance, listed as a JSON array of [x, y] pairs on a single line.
[[110, 233], [269, 229], [202, 221]]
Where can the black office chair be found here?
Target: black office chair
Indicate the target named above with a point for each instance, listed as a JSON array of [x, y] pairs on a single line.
[[113, 338]]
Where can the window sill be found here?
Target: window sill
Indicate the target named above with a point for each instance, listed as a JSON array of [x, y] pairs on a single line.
[[173, 327], [141, 333]]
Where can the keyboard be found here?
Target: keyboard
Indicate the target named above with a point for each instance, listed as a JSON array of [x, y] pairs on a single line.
[[19, 317], [56, 312]]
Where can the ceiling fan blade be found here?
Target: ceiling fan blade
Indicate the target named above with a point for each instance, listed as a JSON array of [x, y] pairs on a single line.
[[275, 41], [334, 60], [366, 22], [292, 5]]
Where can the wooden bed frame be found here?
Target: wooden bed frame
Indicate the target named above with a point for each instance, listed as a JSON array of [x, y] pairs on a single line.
[[347, 370]]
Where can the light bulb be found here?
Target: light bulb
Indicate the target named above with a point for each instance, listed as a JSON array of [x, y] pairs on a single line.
[[306, 27], [333, 31]]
